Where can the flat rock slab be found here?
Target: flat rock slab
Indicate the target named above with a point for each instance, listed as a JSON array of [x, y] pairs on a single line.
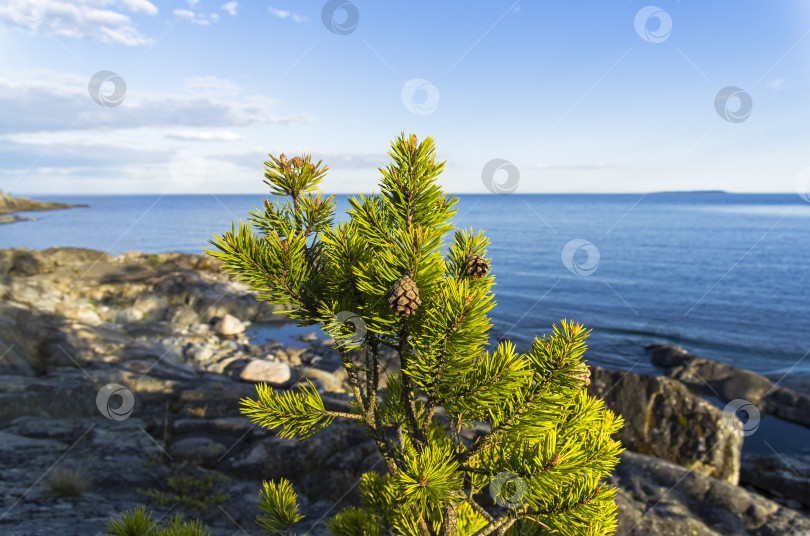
[[10, 441], [660, 498]]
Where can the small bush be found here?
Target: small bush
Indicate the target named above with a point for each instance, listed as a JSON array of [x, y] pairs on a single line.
[[68, 481], [190, 487]]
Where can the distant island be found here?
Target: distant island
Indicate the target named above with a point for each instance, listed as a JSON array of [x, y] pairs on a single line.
[[692, 192], [9, 204]]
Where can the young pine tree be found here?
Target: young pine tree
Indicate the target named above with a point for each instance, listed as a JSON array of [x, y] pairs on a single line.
[[384, 279]]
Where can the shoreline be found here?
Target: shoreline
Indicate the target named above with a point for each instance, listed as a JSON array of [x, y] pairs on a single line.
[[10, 205], [171, 329]]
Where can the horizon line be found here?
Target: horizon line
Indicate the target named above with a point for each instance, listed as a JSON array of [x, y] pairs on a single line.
[[659, 192]]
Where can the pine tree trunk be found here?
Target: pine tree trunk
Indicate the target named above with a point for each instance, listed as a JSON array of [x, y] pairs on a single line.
[[450, 515]]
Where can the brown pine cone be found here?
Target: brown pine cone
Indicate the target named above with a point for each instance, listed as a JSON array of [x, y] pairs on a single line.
[[404, 296], [583, 374], [297, 161], [476, 266]]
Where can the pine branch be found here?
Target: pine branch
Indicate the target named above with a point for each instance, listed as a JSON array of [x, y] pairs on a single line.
[[478, 508], [407, 388], [301, 413], [503, 522], [492, 438]]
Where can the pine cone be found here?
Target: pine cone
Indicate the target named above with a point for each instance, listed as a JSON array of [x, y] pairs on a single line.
[[583, 374], [404, 298], [477, 267], [297, 161]]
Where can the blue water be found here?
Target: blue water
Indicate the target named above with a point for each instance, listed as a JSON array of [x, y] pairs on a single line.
[[724, 275]]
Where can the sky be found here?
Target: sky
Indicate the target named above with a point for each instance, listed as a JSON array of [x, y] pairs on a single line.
[[189, 96]]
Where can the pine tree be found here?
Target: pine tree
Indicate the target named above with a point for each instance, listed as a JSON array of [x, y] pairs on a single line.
[[385, 279]]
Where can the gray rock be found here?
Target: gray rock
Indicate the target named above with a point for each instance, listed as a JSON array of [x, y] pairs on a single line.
[[200, 329], [732, 383], [667, 356], [184, 316], [151, 305], [309, 337], [201, 450], [127, 315], [270, 372], [664, 419], [200, 353], [660, 498], [70, 395], [782, 476], [229, 325], [330, 382], [13, 442]]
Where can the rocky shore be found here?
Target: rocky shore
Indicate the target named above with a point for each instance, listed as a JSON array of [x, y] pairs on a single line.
[[80, 330], [9, 204]]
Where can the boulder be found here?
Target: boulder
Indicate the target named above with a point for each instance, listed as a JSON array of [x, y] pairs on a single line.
[[664, 419], [229, 325], [732, 383], [270, 372], [667, 356]]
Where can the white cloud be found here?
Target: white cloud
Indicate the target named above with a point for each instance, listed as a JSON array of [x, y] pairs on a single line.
[[140, 6], [103, 20], [230, 7], [211, 85], [52, 101], [776, 85], [283, 14], [196, 18], [193, 135], [578, 167]]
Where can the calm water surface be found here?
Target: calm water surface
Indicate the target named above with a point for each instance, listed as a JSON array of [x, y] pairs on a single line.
[[724, 275]]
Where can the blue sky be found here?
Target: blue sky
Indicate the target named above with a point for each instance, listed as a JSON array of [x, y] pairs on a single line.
[[577, 96]]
